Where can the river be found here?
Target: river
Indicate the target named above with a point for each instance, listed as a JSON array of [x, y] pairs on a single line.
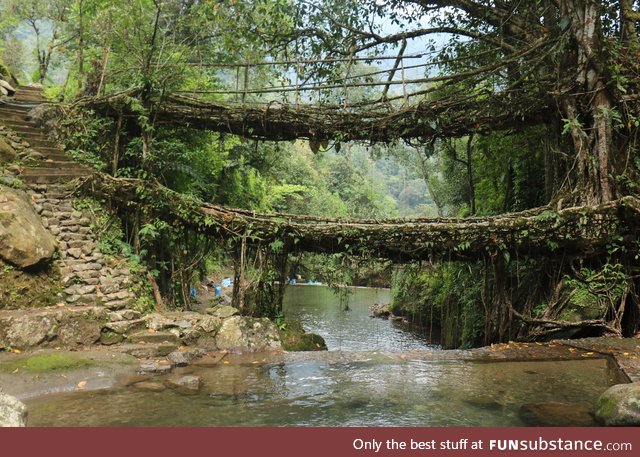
[[351, 327], [374, 374]]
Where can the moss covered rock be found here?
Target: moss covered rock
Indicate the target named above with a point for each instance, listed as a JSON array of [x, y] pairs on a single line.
[[294, 337], [620, 406], [69, 328], [29, 289], [246, 334], [50, 361]]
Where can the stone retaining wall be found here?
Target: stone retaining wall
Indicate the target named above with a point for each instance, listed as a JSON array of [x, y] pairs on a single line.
[[88, 277]]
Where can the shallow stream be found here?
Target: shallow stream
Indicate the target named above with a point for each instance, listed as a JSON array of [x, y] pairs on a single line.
[[375, 374]]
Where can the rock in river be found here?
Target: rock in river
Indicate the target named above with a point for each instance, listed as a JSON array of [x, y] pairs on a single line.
[[620, 406], [245, 334], [556, 414], [185, 384], [13, 413]]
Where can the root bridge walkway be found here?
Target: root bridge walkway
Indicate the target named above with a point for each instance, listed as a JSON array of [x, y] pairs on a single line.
[[583, 231]]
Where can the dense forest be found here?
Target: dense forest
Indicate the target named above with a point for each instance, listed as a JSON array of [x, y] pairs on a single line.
[[360, 109]]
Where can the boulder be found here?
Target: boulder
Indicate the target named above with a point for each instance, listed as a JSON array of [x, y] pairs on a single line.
[[125, 327], [13, 413], [152, 337], [223, 311], [246, 334], [154, 366], [185, 384], [109, 337], [294, 337], [148, 351], [620, 406], [50, 328], [381, 311], [24, 241], [7, 89], [7, 153], [77, 331], [185, 356], [210, 325]]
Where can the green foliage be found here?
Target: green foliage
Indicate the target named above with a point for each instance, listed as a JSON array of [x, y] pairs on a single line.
[[86, 138], [105, 225], [592, 292], [446, 298]]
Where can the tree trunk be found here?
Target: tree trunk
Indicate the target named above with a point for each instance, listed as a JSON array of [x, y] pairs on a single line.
[[81, 43], [553, 162], [588, 110], [628, 19], [469, 165]]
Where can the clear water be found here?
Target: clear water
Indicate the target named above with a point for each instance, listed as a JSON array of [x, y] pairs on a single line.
[[397, 380], [349, 326]]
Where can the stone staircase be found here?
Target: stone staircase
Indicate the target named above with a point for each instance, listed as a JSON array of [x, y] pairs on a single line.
[[88, 278], [55, 166]]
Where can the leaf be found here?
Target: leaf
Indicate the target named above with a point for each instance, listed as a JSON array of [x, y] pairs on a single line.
[[507, 256], [314, 146], [82, 384]]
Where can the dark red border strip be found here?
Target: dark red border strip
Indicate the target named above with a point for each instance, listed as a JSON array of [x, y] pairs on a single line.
[[320, 442]]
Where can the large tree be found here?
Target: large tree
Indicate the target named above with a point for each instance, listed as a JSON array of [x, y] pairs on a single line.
[[570, 65]]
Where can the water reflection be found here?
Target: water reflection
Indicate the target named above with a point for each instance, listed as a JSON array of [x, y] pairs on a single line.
[[316, 393], [353, 329]]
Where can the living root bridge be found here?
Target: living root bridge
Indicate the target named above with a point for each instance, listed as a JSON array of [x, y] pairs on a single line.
[[580, 231], [277, 121]]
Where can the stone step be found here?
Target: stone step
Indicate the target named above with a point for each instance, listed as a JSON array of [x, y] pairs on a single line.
[[28, 99], [16, 117], [21, 129], [152, 337], [53, 171], [60, 188], [44, 177], [62, 164], [16, 109], [31, 96], [88, 299], [37, 142], [30, 131], [54, 154], [18, 123], [29, 89]]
